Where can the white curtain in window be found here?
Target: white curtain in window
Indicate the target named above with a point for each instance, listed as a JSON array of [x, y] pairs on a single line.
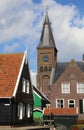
[[20, 111], [23, 85], [27, 87], [28, 110]]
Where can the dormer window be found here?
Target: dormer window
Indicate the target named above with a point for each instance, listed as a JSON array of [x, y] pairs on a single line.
[[25, 86]]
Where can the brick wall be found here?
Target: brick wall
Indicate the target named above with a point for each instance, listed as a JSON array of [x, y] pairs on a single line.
[[72, 74]]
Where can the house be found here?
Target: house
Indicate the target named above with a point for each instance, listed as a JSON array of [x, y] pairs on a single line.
[[68, 86], [61, 82], [40, 101], [16, 92]]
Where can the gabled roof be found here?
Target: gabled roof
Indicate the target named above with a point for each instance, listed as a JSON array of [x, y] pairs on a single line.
[[60, 111], [44, 98], [47, 40], [10, 70], [61, 67]]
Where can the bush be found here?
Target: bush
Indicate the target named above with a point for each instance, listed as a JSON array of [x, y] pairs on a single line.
[[37, 121]]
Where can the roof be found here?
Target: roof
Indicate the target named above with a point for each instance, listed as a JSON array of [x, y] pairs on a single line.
[[37, 109], [47, 40], [60, 111], [60, 67], [9, 69], [44, 98]]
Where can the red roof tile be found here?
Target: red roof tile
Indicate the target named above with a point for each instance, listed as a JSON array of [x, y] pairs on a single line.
[[9, 70], [60, 111]]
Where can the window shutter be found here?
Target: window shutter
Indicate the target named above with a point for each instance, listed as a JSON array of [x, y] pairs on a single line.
[[81, 106]]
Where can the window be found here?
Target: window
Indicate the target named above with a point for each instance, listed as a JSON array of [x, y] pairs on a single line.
[[45, 69], [80, 87], [71, 103], [25, 86], [41, 69], [28, 110], [65, 87], [59, 103], [21, 111], [50, 68]]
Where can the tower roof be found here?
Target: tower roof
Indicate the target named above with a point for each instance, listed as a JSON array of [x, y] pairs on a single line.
[[46, 39]]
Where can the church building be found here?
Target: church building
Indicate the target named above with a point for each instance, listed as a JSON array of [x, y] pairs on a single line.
[[61, 82], [47, 57]]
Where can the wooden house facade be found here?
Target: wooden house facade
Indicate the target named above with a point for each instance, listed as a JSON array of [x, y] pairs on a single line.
[[40, 101], [16, 94]]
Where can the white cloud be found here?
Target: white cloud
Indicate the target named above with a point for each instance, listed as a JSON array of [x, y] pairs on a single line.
[[23, 18], [10, 48], [33, 77], [67, 31]]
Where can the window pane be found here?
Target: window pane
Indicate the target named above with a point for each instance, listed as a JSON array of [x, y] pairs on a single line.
[[71, 103], [65, 88], [41, 69], [23, 85], [50, 68], [59, 103], [80, 88], [45, 68], [27, 89], [28, 110], [20, 111], [71, 106]]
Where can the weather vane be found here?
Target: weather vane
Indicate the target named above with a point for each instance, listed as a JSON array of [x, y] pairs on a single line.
[[47, 8]]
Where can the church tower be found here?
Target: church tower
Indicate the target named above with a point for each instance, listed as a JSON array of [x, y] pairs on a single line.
[[46, 57]]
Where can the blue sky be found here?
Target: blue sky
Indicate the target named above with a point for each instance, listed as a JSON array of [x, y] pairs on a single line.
[[21, 23]]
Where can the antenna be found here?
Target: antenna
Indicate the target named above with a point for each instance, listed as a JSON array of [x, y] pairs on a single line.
[[46, 7]]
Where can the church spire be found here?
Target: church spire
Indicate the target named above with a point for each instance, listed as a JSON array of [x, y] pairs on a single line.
[[47, 40]]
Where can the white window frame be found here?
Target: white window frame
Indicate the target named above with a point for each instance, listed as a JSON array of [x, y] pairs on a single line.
[[21, 111], [80, 89], [71, 103], [28, 110], [25, 86], [59, 104], [65, 87]]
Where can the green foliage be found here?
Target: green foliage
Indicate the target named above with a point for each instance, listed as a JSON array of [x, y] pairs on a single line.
[[37, 121]]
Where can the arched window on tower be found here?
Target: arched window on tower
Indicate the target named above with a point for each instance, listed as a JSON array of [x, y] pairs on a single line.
[[45, 69], [41, 69], [50, 68]]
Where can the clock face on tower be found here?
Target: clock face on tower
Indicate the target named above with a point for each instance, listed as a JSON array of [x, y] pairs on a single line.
[[45, 58]]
